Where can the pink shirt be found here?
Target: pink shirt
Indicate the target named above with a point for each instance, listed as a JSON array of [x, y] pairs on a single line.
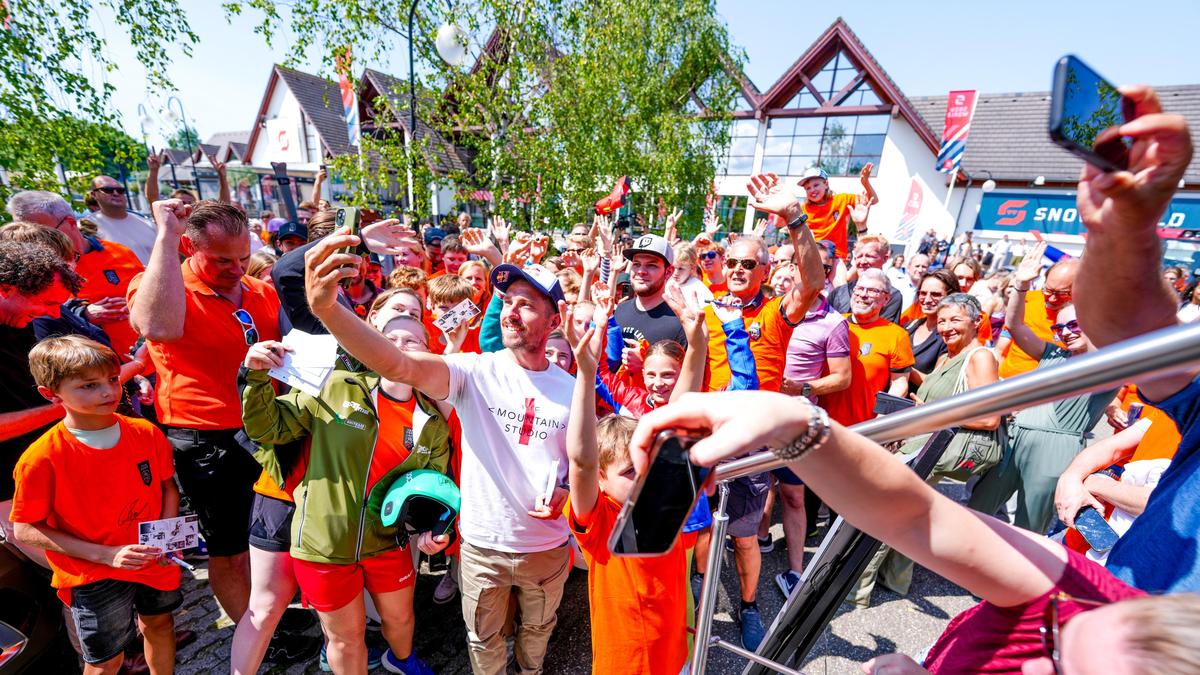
[[821, 335]]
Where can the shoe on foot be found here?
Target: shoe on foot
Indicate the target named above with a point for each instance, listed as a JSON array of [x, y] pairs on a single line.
[[291, 648], [787, 582], [413, 665], [373, 626], [374, 658], [729, 544], [296, 620], [766, 544], [752, 628], [446, 589]]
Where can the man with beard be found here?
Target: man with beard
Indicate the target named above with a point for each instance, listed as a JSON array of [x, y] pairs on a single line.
[[514, 409], [648, 318], [870, 253]]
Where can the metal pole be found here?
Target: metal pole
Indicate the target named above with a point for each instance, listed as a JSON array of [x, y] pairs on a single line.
[[712, 579], [1163, 351], [187, 134], [751, 656], [412, 101]]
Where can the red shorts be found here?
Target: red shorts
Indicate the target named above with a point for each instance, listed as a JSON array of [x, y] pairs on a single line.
[[327, 588]]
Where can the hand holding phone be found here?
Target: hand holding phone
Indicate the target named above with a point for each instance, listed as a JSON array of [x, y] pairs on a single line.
[[1085, 110], [348, 217], [1095, 530], [661, 500]]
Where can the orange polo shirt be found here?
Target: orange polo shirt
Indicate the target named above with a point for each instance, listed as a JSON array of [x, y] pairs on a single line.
[[197, 386], [830, 220], [877, 350], [107, 271], [769, 336], [1039, 318]]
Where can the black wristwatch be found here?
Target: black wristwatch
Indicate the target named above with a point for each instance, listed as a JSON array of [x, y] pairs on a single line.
[[798, 222], [806, 390]]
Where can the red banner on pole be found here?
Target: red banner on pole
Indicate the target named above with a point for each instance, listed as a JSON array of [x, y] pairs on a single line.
[[912, 211], [960, 108]]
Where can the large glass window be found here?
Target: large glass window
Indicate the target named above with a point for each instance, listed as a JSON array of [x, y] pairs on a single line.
[[739, 159], [839, 144]]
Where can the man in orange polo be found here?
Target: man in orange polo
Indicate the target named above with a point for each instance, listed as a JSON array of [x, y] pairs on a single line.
[[106, 266], [829, 213], [199, 318], [1041, 312]]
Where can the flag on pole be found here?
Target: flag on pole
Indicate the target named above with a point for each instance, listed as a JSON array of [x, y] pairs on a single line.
[[912, 212], [349, 98], [960, 108]]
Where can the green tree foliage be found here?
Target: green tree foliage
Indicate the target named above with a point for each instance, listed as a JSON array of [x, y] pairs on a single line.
[[184, 138], [570, 95], [55, 118]]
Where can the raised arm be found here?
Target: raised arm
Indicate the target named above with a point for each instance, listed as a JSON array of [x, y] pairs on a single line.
[[768, 193], [153, 164], [324, 267], [583, 474], [870, 489], [318, 182], [157, 307], [691, 316], [21, 422], [224, 194], [1119, 290], [1014, 321]]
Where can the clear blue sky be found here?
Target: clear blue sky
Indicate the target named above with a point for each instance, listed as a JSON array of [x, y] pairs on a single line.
[[927, 47]]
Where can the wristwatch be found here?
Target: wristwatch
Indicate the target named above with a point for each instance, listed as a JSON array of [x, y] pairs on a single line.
[[806, 390], [799, 221]]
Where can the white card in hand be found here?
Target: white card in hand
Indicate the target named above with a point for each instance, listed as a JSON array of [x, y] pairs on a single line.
[[309, 363], [170, 534], [456, 315]]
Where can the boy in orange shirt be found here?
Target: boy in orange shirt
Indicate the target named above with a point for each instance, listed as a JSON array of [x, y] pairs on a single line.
[[82, 489], [445, 293], [638, 605]]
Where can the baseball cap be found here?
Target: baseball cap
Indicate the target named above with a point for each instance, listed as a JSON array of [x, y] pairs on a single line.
[[274, 224], [653, 244], [813, 172], [292, 230], [434, 236], [537, 276]]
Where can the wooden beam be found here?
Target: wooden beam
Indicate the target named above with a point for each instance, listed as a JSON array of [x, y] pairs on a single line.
[[845, 91], [830, 111], [811, 88]]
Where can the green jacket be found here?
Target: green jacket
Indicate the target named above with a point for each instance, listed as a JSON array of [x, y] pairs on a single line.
[[337, 502]]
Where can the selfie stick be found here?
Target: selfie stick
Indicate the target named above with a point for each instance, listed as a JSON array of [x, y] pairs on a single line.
[[1164, 351]]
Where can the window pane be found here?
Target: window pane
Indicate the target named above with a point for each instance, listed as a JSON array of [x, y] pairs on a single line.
[[778, 145], [744, 128], [870, 144], [740, 166], [873, 124], [800, 163], [834, 166], [807, 145], [810, 126], [780, 126], [856, 164], [741, 105], [843, 78], [868, 95], [805, 99], [742, 146], [824, 80], [777, 165]]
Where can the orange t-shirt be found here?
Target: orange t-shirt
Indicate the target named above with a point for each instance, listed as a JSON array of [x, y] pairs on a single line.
[[265, 485], [1039, 318], [877, 350], [197, 386], [716, 288], [99, 496], [769, 336], [1162, 439], [396, 437], [106, 272], [985, 322], [829, 220], [638, 606]]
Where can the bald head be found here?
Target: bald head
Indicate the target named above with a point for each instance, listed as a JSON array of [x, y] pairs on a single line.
[[1060, 283]]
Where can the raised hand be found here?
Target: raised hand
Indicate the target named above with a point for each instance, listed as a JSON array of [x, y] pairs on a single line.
[[324, 267], [265, 355], [385, 236], [518, 251], [768, 193], [591, 261], [538, 247], [760, 227], [500, 230], [589, 347], [476, 241], [170, 215], [865, 174], [1031, 265], [153, 161], [671, 232], [712, 224], [602, 225], [861, 209], [685, 305]]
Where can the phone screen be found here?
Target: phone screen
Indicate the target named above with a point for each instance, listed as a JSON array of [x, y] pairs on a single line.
[[1095, 530], [661, 500], [1084, 106]]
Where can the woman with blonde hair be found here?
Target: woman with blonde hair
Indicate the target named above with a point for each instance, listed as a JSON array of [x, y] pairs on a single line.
[[478, 274]]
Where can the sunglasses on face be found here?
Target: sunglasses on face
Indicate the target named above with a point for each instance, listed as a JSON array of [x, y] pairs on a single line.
[[249, 330], [1071, 326], [1062, 293], [1051, 627], [868, 292], [709, 255], [746, 263], [111, 190]]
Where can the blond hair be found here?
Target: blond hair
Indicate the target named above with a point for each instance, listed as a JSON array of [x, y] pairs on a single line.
[[1163, 633], [411, 278], [261, 260], [29, 233], [449, 289], [612, 439], [873, 239], [57, 358]]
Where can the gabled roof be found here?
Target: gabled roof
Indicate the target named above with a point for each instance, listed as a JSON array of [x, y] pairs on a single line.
[[839, 37], [444, 157], [176, 156], [1009, 136], [234, 150], [201, 153], [320, 101], [220, 138]]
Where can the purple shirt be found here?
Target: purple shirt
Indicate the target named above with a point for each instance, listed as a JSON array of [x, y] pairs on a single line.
[[821, 335]]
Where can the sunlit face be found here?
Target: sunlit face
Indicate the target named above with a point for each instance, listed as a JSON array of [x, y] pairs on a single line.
[[956, 328], [18, 310], [526, 318], [399, 304], [289, 244], [869, 298], [683, 271], [410, 254], [917, 267], [221, 260], [407, 334], [476, 275], [1059, 288], [648, 273], [745, 283], [303, 216], [659, 375], [104, 190], [464, 220], [454, 260], [783, 279], [869, 255], [816, 189], [93, 393], [558, 351], [711, 259], [1171, 277], [783, 255], [66, 224], [1066, 328], [930, 293], [966, 277], [617, 479], [581, 318]]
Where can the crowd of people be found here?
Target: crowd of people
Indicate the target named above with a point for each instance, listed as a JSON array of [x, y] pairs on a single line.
[[138, 352]]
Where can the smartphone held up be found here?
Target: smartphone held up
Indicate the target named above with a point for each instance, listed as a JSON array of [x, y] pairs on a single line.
[[661, 500], [1085, 112], [349, 217]]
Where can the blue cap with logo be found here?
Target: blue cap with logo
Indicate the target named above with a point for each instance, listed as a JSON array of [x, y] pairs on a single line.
[[537, 276]]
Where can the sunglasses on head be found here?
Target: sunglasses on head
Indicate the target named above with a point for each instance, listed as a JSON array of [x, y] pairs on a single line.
[[249, 330], [746, 263], [1051, 627], [1072, 326], [709, 255], [111, 190]]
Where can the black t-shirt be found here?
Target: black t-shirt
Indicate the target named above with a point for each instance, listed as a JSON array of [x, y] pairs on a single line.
[[18, 393], [657, 324]]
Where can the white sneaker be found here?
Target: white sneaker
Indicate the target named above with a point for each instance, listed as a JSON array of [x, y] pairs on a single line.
[[446, 589]]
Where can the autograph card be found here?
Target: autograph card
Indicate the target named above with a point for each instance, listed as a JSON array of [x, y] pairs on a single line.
[[170, 534], [463, 311]]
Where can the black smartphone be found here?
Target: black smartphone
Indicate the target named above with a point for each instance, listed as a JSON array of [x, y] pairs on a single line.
[[661, 500], [886, 404], [1095, 530], [1084, 107], [348, 216]]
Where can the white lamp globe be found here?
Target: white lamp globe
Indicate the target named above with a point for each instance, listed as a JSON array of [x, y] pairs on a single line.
[[451, 43]]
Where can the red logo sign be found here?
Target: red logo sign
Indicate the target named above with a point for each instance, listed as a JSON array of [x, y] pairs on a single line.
[[284, 143], [1011, 212], [527, 423]]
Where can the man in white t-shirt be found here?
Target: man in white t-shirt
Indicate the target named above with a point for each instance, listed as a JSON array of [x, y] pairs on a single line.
[[513, 405], [116, 223]]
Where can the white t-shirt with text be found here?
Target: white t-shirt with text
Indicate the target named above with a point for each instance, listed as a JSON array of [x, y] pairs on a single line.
[[133, 231], [514, 428]]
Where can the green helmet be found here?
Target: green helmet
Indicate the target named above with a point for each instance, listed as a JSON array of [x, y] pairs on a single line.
[[421, 500]]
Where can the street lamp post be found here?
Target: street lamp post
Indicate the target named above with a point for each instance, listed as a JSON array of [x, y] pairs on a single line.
[[181, 117]]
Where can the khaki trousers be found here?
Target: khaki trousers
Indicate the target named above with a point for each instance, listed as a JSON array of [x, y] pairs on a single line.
[[487, 579]]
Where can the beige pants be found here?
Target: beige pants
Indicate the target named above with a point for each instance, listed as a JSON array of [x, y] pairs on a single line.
[[487, 579]]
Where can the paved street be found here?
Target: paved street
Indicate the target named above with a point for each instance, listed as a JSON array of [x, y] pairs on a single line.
[[892, 624]]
